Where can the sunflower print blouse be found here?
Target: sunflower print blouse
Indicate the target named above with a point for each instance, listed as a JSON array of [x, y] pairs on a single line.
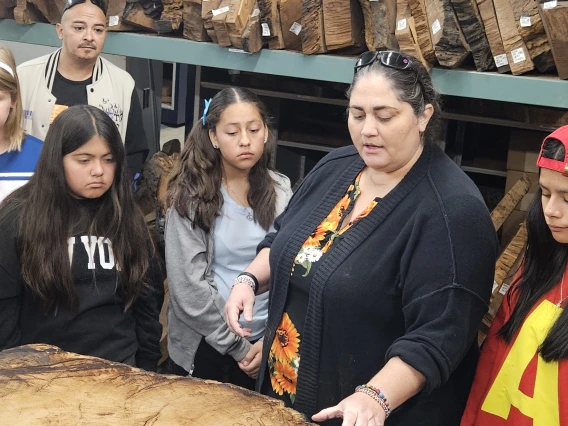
[[284, 355]]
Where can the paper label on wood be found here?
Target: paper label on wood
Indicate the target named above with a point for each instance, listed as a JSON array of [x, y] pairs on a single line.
[[373, 0], [525, 21], [216, 12], [495, 285], [113, 20], [501, 60], [265, 30], [232, 49], [504, 288], [296, 28], [255, 13], [401, 25], [518, 55], [550, 4], [436, 26]]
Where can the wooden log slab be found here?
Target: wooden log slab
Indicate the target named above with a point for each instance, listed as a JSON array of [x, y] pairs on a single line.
[[291, 23], [115, 13], [502, 211], [531, 29], [380, 24], [344, 26], [517, 53], [27, 13], [7, 9], [42, 385], [406, 32], [193, 28], [313, 31], [487, 13], [219, 25], [418, 9], [135, 16], [252, 37], [207, 8], [173, 12], [449, 42], [554, 17], [472, 27], [276, 40]]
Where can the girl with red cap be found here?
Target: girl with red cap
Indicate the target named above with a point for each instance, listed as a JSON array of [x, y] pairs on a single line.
[[522, 375]]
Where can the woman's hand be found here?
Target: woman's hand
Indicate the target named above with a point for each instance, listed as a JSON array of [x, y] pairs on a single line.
[[240, 300], [250, 364], [356, 410]]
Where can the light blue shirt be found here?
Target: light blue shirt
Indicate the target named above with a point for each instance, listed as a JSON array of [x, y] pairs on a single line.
[[236, 237]]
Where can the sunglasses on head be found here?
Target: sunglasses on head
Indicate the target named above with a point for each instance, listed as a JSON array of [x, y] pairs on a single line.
[[70, 3], [388, 58]]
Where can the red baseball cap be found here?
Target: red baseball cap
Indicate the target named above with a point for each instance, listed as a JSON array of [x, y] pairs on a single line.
[[560, 134]]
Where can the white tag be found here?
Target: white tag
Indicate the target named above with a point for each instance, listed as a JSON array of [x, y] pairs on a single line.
[[265, 30], [216, 12], [373, 0], [501, 60], [495, 285], [550, 4], [518, 55], [504, 288], [113, 21], [436, 27], [255, 13], [525, 21], [296, 28], [401, 25], [232, 49]]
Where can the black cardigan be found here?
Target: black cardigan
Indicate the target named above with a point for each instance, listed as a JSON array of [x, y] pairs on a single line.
[[412, 280]]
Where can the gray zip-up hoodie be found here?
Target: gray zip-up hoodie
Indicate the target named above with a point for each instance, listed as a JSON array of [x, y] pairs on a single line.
[[196, 309]]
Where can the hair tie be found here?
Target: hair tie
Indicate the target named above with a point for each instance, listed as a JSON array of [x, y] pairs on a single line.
[[7, 68], [205, 110]]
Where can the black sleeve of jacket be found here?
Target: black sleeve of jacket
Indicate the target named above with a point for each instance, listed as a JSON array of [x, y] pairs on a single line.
[[10, 287], [136, 142], [146, 311]]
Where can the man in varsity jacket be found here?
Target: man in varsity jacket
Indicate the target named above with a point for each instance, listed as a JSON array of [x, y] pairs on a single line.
[[77, 74]]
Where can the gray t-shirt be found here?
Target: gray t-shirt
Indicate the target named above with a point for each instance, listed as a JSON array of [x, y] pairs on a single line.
[[236, 237]]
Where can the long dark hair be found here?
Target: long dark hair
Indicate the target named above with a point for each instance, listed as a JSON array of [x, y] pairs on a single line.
[[544, 264], [194, 189], [50, 214]]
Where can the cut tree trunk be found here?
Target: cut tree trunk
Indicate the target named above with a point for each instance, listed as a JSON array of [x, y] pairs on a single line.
[[291, 23], [42, 384], [406, 32], [418, 8], [532, 31], [134, 15], [345, 26], [472, 26], [380, 24], [313, 31], [517, 53], [115, 13], [447, 37], [487, 12], [7, 9], [193, 28], [555, 20]]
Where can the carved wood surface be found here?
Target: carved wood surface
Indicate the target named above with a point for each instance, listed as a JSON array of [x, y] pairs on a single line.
[[344, 24], [42, 385], [487, 13], [555, 22], [380, 24], [418, 8], [313, 31], [519, 57], [447, 37], [291, 23]]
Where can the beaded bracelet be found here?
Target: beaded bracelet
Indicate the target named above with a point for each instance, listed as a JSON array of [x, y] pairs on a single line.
[[377, 395], [247, 278]]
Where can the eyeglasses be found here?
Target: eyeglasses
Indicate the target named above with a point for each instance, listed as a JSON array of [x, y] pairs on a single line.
[[70, 3], [388, 58]]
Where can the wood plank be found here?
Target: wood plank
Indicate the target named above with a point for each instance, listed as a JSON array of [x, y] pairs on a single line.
[[207, 8], [510, 201], [27, 13], [239, 15], [487, 12], [219, 25], [531, 29], [276, 41], [344, 24], [265, 8], [313, 31], [252, 37], [41, 383], [555, 21], [134, 15], [380, 24], [406, 32], [115, 12], [7, 9], [173, 12], [447, 37], [193, 27], [472, 27], [291, 23], [517, 53], [418, 9]]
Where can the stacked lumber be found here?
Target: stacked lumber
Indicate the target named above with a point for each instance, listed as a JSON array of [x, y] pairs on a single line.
[[41, 384], [487, 13], [405, 32], [233, 23], [207, 8], [554, 15], [134, 15]]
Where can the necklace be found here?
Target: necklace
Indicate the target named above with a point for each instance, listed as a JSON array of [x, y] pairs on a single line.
[[249, 215], [562, 299]]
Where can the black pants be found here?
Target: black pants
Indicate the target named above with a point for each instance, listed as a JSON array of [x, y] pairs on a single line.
[[211, 365]]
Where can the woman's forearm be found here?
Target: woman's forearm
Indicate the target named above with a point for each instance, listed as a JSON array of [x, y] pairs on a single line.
[[260, 268]]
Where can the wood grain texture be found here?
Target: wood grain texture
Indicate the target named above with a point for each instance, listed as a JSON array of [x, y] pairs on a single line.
[[193, 27], [555, 23], [447, 37], [219, 25], [313, 32], [134, 15], [344, 26], [487, 13], [27, 13], [115, 12], [252, 37], [276, 41], [207, 8], [472, 27], [405, 32], [290, 12], [418, 9], [380, 24], [173, 12], [42, 385], [520, 62], [7, 9], [502, 211]]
